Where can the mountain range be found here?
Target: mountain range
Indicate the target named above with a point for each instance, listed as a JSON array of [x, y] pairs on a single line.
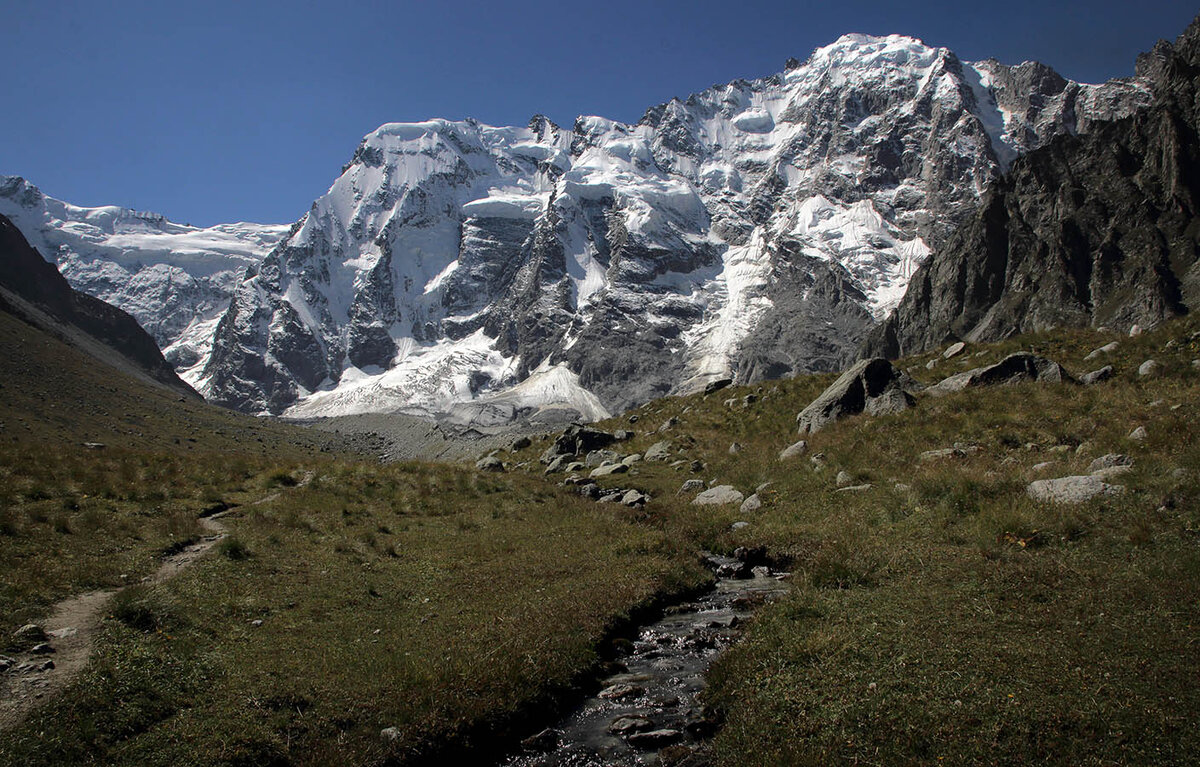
[[485, 274]]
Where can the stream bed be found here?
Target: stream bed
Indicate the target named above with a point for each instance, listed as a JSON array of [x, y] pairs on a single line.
[[651, 701]]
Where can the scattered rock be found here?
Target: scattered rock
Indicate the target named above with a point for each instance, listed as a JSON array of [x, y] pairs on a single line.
[[630, 460], [633, 418], [718, 496], [1096, 376], [1108, 348], [794, 450], [1135, 330], [629, 723], [520, 443], [691, 486], [42, 648], [870, 386], [668, 424], [390, 734], [735, 448], [609, 469], [749, 400], [621, 691], [576, 466], [557, 465], [1139, 434], [1150, 368], [1015, 368], [953, 349], [623, 435], [1071, 489], [30, 633], [600, 457], [659, 451], [958, 451], [696, 466], [634, 498], [717, 385], [577, 440], [654, 738], [844, 479], [739, 525], [751, 504], [1111, 473], [763, 487], [489, 463], [931, 364], [854, 488], [1109, 461], [1038, 468], [546, 740], [94, 445]]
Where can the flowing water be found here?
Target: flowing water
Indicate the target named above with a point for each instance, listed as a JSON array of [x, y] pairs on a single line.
[[651, 702]]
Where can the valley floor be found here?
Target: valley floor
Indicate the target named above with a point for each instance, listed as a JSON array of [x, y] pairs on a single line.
[[937, 613]]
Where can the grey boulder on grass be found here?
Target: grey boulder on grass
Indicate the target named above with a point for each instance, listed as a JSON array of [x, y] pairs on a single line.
[[869, 386]]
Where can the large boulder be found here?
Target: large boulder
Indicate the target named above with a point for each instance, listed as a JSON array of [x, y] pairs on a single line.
[[718, 496], [1015, 368], [870, 386], [577, 440]]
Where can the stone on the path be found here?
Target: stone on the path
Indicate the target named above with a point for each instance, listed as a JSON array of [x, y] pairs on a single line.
[[42, 648], [691, 486], [794, 450], [1071, 489], [1139, 434], [609, 469], [30, 633], [1015, 368], [751, 504], [659, 451], [1108, 348], [1096, 376], [718, 496], [1149, 368], [489, 463], [870, 386], [1108, 461]]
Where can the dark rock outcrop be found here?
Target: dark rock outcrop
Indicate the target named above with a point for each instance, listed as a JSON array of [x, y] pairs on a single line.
[[871, 386], [34, 291], [1096, 229], [1015, 368]]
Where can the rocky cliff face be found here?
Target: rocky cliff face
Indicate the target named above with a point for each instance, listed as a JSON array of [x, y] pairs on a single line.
[[174, 279], [1097, 229], [755, 229], [33, 290]]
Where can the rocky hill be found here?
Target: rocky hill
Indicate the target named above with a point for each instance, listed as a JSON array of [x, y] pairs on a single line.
[[752, 230], [1092, 230]]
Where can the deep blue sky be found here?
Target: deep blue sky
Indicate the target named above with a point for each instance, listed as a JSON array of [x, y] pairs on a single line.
[[221, 111]]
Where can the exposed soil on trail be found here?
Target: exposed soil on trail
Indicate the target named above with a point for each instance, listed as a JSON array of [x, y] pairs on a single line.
[[36, 677]]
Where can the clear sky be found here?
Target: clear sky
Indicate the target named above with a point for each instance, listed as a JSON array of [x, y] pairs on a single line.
[[223, 111]]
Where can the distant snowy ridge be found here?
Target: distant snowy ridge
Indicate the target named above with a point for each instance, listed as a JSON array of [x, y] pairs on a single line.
[[175, 279], [754, 230]]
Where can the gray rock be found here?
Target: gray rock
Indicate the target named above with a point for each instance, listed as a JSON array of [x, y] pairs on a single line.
[[624, 435], [751, 504], [718, 496], [634, 498], [1111, 472], [30, 633], [576, 466], [489, 463], [843, 479], [659, 451], [691, 486], [1108, 461], [668, 424], [609, 469], [1015, 368], [520, 443], [622, 691], [739, 525], [953, 349], [1108, 348], [762, 488], [42, 648], [958, 451], [872, 386], [558, 464], [735, 448], [1139, 434], [1135, 330], [1071, 489], [1096, 376], [1038, 468], [717, 385], [390, 734], [598, 457], [577, 440], [1150, 368], [629, 723], [630, 460], [653, 739], [794, 450], [854, 488]]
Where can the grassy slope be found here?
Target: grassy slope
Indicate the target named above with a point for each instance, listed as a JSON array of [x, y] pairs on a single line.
[[426, 598], [956, 620]]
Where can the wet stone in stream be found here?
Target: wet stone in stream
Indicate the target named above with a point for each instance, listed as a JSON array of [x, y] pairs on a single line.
[[650, 705]]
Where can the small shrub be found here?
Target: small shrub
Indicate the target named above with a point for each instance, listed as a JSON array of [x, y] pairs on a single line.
[[232, 547], [281, 478], [141, 608]]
